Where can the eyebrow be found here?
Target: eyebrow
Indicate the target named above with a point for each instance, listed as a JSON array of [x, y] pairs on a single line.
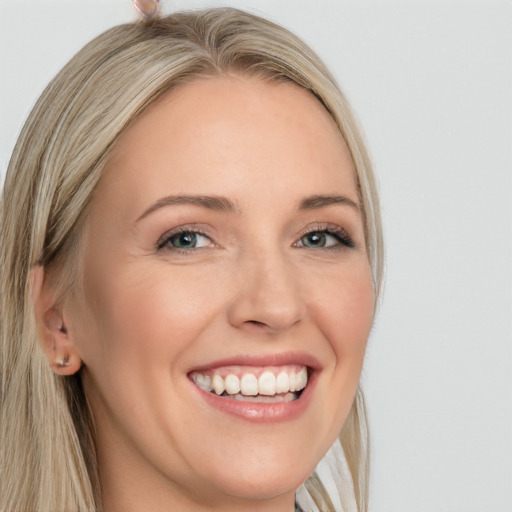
[[319, 201], [223, 204], [217, 203]]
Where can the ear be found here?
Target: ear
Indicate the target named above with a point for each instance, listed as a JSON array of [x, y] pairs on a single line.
[[52, 328]]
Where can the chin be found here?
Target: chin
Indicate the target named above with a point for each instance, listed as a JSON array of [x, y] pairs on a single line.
[[262, 484], [260, 472]]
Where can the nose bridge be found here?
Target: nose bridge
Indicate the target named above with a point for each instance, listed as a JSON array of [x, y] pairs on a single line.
[[268, 293]]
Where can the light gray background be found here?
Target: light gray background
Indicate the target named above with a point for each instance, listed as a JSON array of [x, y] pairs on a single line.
[[431, 82]]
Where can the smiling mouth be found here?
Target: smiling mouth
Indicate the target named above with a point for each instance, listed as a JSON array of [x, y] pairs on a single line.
[[249, 384]]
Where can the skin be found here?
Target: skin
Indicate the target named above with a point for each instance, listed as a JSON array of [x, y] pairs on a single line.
[[148, 313]]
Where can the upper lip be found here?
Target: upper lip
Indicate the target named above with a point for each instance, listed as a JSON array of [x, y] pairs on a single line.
[[259, 360]]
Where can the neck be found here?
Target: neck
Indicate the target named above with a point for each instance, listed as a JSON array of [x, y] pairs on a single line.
[[114, 501], [130, 490]]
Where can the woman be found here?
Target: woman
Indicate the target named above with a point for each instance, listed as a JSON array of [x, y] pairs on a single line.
[[191, 258]]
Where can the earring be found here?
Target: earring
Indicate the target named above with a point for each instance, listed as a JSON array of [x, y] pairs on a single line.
[[147, 9], [62, 362]]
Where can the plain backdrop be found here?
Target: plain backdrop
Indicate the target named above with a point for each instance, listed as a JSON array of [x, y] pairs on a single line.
[[431, 82]]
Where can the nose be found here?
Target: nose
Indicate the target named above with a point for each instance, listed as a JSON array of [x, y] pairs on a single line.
[[268, 296]]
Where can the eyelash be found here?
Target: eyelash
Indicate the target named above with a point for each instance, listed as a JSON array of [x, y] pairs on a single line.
[[336, 232], [182, 230]]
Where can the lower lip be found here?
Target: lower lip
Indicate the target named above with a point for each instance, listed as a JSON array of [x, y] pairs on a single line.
[[261, 412]]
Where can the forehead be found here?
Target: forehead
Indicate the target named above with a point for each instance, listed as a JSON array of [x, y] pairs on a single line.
[[216, 135]]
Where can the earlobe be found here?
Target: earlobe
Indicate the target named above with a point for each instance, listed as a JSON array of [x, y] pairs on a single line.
[[52, 331]]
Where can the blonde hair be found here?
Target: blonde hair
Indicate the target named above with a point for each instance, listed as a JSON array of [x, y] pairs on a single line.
[[48, 458]]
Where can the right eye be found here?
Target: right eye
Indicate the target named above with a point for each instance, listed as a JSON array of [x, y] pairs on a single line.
[[184, 240]]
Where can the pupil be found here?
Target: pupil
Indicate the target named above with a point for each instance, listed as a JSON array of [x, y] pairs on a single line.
[[184, 240]]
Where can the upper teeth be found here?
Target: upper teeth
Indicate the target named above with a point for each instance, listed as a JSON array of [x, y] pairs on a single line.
[[268, 383]]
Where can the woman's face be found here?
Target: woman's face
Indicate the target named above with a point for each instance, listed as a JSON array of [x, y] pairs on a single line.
[[224, 249]]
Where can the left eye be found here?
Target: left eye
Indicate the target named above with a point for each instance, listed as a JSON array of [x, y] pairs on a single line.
[[321, 240], [187, 240]]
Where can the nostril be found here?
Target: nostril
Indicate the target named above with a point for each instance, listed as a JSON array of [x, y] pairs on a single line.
[[256, 323]]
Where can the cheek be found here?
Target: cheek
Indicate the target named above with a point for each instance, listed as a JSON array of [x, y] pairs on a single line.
[[344, 309], [344, 312], [143, 312], [357, 315]]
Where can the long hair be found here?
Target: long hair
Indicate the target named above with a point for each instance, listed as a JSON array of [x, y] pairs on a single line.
[[48, 458]]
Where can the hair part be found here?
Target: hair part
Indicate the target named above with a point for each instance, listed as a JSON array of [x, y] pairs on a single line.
[[47, 455]]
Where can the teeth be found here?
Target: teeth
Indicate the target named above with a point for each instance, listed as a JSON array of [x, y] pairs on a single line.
[[273, 399], [218, 384], [302, 379], [249, 385], [282, 383], [293, 382], [232, 384], [203, 381], [298, 380], [268, 384]]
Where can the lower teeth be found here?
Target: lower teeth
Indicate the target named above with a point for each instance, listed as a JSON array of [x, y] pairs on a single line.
[[284, 397]]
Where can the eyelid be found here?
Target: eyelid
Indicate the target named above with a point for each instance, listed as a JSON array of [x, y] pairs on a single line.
[[335, 230], [196, 229]]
